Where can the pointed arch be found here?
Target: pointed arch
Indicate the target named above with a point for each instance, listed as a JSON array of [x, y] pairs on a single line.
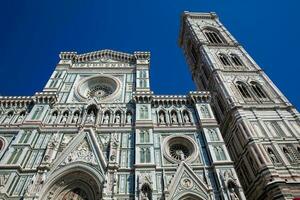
[[213, 35], [243, 89], [236, 60], [258, 90], [224, 59], [70, 177]]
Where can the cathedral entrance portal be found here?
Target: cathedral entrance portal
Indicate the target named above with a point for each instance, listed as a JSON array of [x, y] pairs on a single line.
[[76, 185]]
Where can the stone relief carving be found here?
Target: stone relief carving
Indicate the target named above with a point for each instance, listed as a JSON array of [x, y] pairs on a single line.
[[36, 183], [82, 153], [52, 148], [114, 143]]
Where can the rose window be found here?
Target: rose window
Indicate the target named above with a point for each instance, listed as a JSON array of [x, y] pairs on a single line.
[[179, 151], [179, 148], [99, 91], [98, 87]]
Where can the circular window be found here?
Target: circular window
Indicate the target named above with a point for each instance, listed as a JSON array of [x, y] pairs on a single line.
[[179, 148], [99, 87], [179, 151]]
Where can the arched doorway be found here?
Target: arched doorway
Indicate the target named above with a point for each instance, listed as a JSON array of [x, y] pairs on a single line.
[[190, 196], [74, 185]]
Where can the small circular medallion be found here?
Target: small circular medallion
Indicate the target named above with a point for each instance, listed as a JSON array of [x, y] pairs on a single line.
[[186, 183]]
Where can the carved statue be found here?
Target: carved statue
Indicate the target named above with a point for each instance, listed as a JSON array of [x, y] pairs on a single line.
[[20, 118], [64, 119], [114, 143], [106, 118], [174, 118], [53, 118], [118, 118], [36, 182], [52, 148], [288, 155], [129, 118], [91, 117], [273, 157], [162, 118], [75, 118], [233, 195], [186, 118]]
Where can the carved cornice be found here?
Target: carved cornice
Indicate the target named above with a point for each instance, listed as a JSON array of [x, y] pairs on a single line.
[[192, 97], [142, 97], [45, 97], [19, 101], [107, 54], [139, 55]]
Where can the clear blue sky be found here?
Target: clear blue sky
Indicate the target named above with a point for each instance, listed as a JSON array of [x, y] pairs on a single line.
[[34, 32]]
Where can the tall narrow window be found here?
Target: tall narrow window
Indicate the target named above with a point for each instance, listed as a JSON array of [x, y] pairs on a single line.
[[224, 59], [148, 156], [259, 92], [219, 152], [145, 155], [243, 90], [213, 37], [236, 60]]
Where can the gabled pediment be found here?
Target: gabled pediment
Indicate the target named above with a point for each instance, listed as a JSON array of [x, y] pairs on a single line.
[[84, 149], [186, 182]]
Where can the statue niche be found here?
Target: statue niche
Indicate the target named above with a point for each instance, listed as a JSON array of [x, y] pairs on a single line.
[[92, 112]]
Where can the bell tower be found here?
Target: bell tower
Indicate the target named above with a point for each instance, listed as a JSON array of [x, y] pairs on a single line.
[[259, 125]]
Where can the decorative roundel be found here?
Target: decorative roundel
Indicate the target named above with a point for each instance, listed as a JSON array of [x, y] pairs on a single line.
[[98, 87], [179, 148]]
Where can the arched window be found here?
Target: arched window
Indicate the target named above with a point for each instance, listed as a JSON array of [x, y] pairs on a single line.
[[213, 135], [256, 87], [143, 112], [219, 152], [144, 136], [236, 60], [224, 59], [242, 87], [213, 37], [145, 156], [92, 109]]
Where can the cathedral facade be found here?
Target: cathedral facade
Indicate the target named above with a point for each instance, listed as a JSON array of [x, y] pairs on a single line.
[[97, 131], [259, 125]]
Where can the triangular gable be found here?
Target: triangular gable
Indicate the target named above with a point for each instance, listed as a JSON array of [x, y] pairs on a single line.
[[185, 181], [83, 148]]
